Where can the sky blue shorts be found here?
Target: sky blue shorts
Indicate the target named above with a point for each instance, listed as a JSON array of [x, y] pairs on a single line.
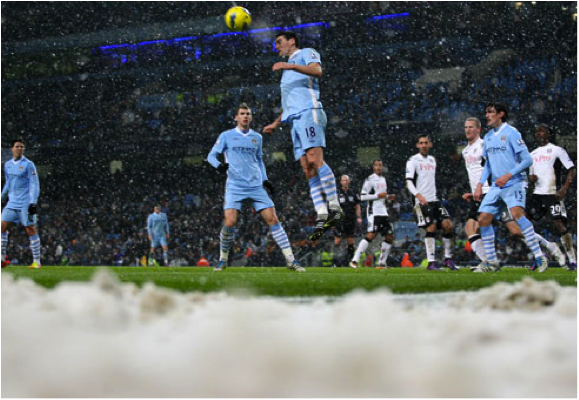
[[498, 198], [18, 215], [257, 197], [159, 241], [308, 129]]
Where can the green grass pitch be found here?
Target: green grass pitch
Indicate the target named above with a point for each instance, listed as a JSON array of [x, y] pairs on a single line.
[[283, 282]]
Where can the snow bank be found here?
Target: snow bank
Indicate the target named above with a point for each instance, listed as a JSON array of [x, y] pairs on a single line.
[[107, 339]]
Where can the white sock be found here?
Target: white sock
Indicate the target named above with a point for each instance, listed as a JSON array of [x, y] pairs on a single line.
[[361, 248], [429, 242], [567, 242], [289, 255], [385, 250], [447, 247], [479, 249]]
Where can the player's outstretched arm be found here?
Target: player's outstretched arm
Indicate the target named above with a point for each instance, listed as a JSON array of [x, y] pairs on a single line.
[[568, 181]]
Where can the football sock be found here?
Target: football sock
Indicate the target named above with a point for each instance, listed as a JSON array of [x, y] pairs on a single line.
[[329, 185], [529, 233], [282, 241], [351, 251], [567, 241], [226, 239], [318, 198], [4, 245], [361, 248], [165, 258], [151, 258], [477, 246], [430, 245], [552, 247], [448, 245], [488, 238], [35, 248], [385, 250]]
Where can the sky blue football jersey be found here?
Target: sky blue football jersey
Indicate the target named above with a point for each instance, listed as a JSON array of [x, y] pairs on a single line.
[[503, 148], [243, 152], [22, 186], [158, 224], [300, 92]]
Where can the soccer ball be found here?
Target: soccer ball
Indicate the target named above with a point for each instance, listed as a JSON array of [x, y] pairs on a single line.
[[238, 18]]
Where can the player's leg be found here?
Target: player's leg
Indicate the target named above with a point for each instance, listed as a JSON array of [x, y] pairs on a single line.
[[29, 223], [487, 232], [430, 246], [472, 231], [263, 204], [387, 232], [152, 253], [34, 246], [5, 226], [280, 237], [447, 227], [165, 254], [560, 223], [363, 245], [491, 205], [226, 237], [351, 248], [337, 243], [528, 232]]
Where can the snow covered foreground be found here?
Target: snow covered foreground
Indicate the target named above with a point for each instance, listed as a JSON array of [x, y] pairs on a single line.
[[109, 339]]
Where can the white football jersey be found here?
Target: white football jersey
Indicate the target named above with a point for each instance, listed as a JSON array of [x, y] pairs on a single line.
[[373, 186], [543, 166], [473, 159], [422, 171]]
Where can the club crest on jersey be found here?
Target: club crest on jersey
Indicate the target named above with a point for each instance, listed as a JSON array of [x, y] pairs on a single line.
[[549, 151], [21, 168], [503, 138], [254, 141]]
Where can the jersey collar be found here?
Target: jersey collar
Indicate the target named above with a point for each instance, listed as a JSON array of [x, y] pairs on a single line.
[[294, 53], [242, 132], [496, 132]]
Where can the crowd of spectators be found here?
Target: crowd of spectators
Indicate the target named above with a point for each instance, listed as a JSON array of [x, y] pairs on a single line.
[[161, 122]]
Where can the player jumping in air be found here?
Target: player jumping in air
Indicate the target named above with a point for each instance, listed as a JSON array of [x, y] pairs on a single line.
[[241, 148], [506, 158], [22, 189], [302, 110]]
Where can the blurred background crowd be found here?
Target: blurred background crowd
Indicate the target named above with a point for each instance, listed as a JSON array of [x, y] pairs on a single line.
[[119, 104]]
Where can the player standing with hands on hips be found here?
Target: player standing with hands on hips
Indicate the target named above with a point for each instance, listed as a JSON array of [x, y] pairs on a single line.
[[506, 158], [300, 99], [22, 189]]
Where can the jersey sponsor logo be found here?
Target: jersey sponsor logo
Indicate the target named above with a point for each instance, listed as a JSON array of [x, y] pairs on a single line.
[[542, 158], [493, 150], [244, 150], [424, 167], [472, 159]]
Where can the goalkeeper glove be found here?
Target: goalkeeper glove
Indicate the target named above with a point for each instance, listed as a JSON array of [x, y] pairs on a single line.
[[32, 209], [269, 187], [223, 167]]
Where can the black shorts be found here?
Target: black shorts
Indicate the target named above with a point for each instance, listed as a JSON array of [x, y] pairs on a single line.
[[346, 228], [473, 210], [380, 224], [540, 205], [432, 213]]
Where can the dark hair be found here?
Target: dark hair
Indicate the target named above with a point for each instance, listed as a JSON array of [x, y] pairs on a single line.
[[16, 141], [544, 127], [499, 107], [289, 35], [426, 135], [376, 160], [240, 106]]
